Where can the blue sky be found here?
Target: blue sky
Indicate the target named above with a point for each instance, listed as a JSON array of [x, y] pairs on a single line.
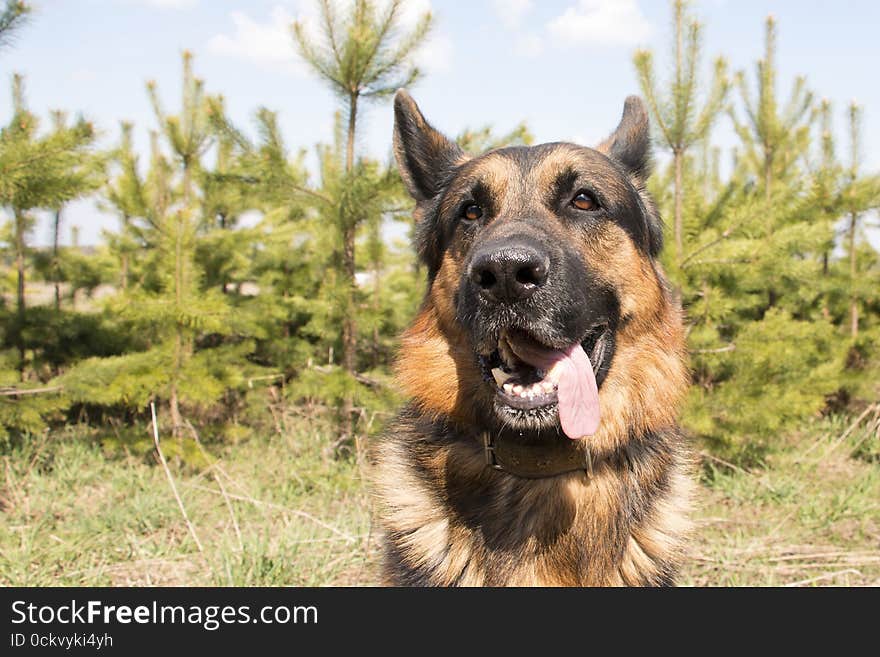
[[563, 66]]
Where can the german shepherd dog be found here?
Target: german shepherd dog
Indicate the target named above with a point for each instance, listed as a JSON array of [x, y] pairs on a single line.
[[545, 368]]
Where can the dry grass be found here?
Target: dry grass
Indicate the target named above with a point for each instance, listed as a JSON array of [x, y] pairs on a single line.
[[268, 512], [281, 511], [812, 517]]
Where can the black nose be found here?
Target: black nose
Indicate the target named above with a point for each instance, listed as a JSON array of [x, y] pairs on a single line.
[[509, 273]]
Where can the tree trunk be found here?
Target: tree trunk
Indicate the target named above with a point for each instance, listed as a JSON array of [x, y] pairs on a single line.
[[173, 401], [853, 303], [123, 259], [174, 407], [677, 157], [377, 307], [223, 281], [826, 311], [179, 338], [123, 272], [352, 124], [56, 229], [772, 296], [182, 348], [677, 150], [20, 294], [187, 182], [349, 326]]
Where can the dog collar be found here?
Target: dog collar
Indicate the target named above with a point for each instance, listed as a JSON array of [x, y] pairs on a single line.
[[532, 461]]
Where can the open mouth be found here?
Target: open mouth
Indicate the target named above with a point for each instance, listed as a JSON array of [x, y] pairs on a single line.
[[523, 386], [531, 379]]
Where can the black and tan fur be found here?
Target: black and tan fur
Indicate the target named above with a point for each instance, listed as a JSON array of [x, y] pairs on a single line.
[[447, 518]]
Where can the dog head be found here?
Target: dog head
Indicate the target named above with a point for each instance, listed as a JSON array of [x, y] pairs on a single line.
[[538, 258]]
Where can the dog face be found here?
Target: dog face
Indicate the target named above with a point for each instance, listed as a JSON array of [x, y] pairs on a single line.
[[535, 255]]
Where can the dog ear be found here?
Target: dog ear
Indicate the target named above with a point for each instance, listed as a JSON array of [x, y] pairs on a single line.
[[630, 143], [424, 156]]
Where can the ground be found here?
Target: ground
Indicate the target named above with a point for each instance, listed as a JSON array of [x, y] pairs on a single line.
[[280, 510]]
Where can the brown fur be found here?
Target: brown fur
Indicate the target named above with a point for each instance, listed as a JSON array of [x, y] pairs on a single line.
[[450, 520]]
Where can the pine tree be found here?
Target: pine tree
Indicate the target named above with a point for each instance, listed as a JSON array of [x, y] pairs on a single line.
[[39, 171], [483, 139], [13, 15], [193, 345], [773, 138], [274, 182], [188, 343], [858, 199], [852, 229], [775, 142], [125, 196], [373, 193], [297, 304], [188, 134], [223, 251], [91, 175], [679, 120], [827, 194], [362, 56], [857, 274], [751, 274]]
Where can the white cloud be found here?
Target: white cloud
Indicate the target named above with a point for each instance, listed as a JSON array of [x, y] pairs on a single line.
[[411, 13], [436, 55], [511, 12], [529, 45], [268, 43], [601, 22], [171, 4]]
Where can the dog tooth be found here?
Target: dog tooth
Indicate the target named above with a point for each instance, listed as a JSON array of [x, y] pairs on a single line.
[[508, 388], [517, 388], [506, 353], [500, 375]]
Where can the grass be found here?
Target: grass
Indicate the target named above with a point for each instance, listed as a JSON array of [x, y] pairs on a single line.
[[810, 517], [280, 511], [269, 512]]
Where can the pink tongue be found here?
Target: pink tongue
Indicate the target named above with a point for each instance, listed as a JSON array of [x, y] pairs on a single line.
[[577, 392]]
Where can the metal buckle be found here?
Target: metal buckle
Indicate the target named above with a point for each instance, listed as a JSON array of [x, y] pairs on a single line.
[[489, 452]]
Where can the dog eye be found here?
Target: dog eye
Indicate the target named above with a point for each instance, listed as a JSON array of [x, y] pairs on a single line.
[[585, 201], [472, 212]]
